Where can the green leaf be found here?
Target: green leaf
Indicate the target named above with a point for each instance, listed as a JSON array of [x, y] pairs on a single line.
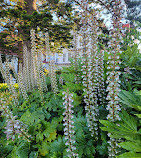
[[129, 121], [138, 115], [138, 82], [39, 137], [127, 128], [24, 105], [131, 146], [54, 104], [57, 145], [44, 148], [50, 132], [69, 77], [33, 154], [52, 136], [130, 99], [23, 150], [13, 153], [32, 118], [26, 117], [130, 155]]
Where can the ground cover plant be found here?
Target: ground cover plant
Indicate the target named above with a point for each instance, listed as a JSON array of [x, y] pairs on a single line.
[[90, 109]]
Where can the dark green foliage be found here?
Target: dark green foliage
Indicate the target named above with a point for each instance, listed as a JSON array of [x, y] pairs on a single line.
[[44, 124], [23, 149], [129, 127], [83, 137], [131, 100], [131, 62]]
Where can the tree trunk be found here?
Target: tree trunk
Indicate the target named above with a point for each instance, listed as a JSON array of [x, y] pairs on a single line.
[[30, 6], [20, 53]]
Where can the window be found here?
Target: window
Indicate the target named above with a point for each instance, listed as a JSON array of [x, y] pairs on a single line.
[[69, 56], [64, 57], [56, 60]]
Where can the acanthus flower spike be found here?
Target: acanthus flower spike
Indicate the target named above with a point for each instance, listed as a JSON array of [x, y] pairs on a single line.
[[14, 127], [68, 125], [113, 72], [90, 67]]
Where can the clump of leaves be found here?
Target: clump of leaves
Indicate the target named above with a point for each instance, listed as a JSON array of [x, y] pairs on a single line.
[[131, 68], [128, 129]]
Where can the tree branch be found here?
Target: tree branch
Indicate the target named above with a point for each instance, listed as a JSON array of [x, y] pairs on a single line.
[[98, 1], [102, 3]]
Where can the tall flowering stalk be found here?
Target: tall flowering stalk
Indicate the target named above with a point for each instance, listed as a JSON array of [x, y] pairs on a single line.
[[100, 78], [113, 63], [7, 72], [76, 55], [52, 74], [97, 59], [13, 91], [90, 67], [8, 78], [52, 70], [113, 72], [26, 68], [68, 125], [31, 73], [21, 84], [40, 77], [2, 69], [96, 77], [61, 81], [14, 127], [41, 70], [38, 70], [11, 66], [34, 58]]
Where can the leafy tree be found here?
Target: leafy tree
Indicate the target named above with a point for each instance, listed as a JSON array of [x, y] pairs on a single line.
[[17, 19]]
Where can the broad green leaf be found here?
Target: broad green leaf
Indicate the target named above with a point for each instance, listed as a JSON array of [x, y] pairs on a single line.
[[138, 115], [44, 148], [130, 155], [50, 133], [23, 150], [26, 117], [130, 99], [127, 126], [32, 118], [57, 145], [39, 137], [131, 146], [138, 82], [52, 136], [129, 122], [13, 153]]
